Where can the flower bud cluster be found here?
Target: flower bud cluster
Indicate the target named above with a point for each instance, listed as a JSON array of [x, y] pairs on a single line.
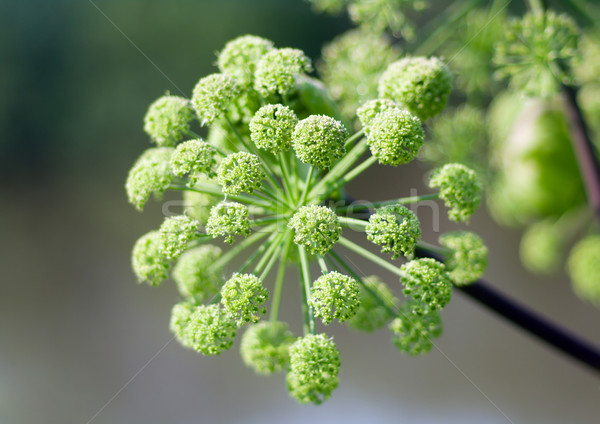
[[334, 296]]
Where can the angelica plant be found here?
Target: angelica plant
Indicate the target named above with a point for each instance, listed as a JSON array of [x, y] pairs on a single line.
[[271, 189]]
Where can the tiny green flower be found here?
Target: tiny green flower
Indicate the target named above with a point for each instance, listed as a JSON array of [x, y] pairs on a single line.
[[460, 188], [422, 85], [396, 229], [194, 275], [315, 227], [168, 120], [213, 95], [243, 296], [180, 317], [240, 56], [240, 172], [175, 234], [427, 283], [370, 109], [319, 140], [148, 262], [194, 157], [334, 296], [584, 268], [151, 174], [264, 347], [412, 333], [395, 136], [272, 127], [314, 368], [277, 70], [371, 314], [469, 256], [228, 219]]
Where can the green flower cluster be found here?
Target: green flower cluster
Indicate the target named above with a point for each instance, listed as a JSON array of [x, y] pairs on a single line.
[[412, 333], [240, 172], [315, 227], [228, 219], [459, 188], [469, 256], [396, 229], [243, 295], [334, 296]]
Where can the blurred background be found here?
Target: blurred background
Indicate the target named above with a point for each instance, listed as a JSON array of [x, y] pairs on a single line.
[[81, 342]]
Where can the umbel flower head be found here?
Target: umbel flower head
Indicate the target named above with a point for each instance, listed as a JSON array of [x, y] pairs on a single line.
[[228, 219], [147, 260], [194, 274], [396, 229], [412, 333], [395, 136], [272, 127], [334, 296], [422, 85], [243, 295], [377, 305], [371, 108], [277, 71], [314, 368], [460, 189], [469, 256], [265, 345], [240, 56], [168, 120], [240, 172], [315, 227], [151, 174], [319, 140], [584, 268], [213, 95], [175, 234], [427, 283], [194, 157]]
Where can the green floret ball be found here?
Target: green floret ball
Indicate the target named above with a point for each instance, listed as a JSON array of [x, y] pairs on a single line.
[[148, 262], [314, 367], [422, 85], [414, 334], [228, 219], [395, 229], [459, 188], [240, 56], [541, 248], [277, 71], [377, 303], [426, 281], [194, 274], [243, 296], [584, 268], [370, 109], [194, 158], [334, 296], [319, 140], [168, 119], [264, 347], [272, 127], [395, 136], [213, 95], [469, 256], [151, 174], [240, 172], [175, 234], [207, 329], [317, 228]]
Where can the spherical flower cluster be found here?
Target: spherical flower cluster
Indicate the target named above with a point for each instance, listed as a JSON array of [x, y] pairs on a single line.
[[584, 268], [147, 260], [334, 296], [413, 333], [175, 234], [427, 283], [541, 247], [151, 174], [194, 157], [213, 95], [395, 136], [264, 347], [240, 172], [272, 127], [168, 120], [240, 56], [314, 368], [422, 85], [228, 219], [534, 50], [396, 229], [315, 227], [194, 274], [207, 329], [460, 189], [243, 295], [370, 109], [319, 140], [277, 70], [376, 305], [469, 256]]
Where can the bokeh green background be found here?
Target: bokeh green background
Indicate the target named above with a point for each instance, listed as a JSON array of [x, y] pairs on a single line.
[[75, 327]]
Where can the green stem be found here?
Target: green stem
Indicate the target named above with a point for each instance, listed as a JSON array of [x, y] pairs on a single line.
[[351, 175], [352, 222], [400, 201], [240, 246], [306, 186], [536, 6], [322, 264], [278, 289], [216, 191], [271, 245], [285, 173], [440, 250], [257, 253], [265, 221], [370, 256], [272, 260], [354, 137], [309, 319]]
